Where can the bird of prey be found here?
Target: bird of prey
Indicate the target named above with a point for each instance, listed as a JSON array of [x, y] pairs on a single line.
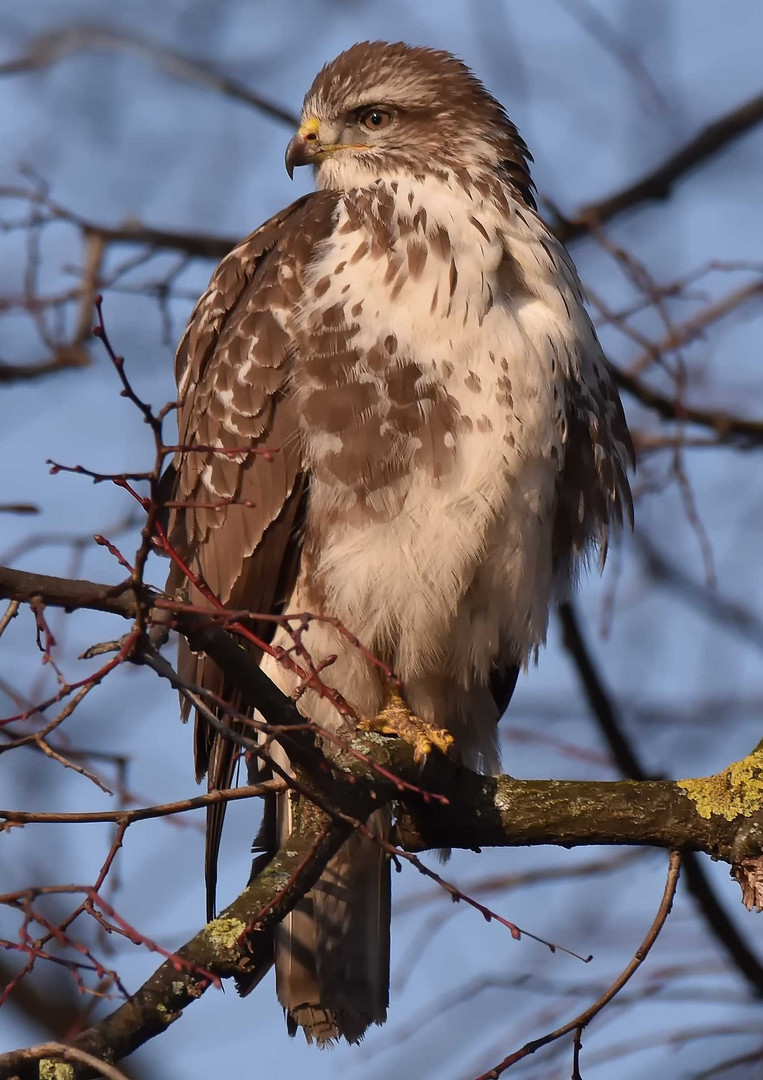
[[411, 342]]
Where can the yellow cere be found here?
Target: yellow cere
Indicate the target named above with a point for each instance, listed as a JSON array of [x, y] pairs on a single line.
[[310, 127]]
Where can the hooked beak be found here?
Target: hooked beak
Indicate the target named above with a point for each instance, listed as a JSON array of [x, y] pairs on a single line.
[[304, 148]]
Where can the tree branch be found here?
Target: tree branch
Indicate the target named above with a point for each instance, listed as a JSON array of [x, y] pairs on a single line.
[[627, 760], [47, 1053], [581, 1022], [48, 49], [63, 359], [726, 426], [659, 183], [476, 810], [144, 813], [722, 816], [231, 945], [733, 616]]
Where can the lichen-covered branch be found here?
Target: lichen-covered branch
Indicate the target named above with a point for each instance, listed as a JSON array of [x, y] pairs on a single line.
[[712, 814], [706, 814], [231, 945], [720, 815], [698, 882]]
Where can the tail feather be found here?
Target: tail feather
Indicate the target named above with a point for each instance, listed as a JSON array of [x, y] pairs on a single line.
[[332, 950], [221, 765]]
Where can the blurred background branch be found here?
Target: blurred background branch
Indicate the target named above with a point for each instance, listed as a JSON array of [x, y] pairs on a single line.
[[144, 157]]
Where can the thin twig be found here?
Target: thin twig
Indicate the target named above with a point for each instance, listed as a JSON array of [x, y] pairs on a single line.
[[48, 49], [741, 620], [584, 1019], [626, 758], [9, 615], [143, 813], [739, 430]]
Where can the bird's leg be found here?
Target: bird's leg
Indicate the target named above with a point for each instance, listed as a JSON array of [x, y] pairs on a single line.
[[397, 719]]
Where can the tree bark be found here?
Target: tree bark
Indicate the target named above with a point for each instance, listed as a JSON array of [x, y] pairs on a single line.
[[440, 805]]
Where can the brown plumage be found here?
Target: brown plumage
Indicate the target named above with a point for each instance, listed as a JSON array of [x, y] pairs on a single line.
[[248, 556], [411, 343]]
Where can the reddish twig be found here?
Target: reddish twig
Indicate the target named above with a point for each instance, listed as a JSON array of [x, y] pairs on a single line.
[[13, 818], [457, 895]]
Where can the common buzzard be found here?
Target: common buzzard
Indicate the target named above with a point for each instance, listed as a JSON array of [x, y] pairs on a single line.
[[411, 342]]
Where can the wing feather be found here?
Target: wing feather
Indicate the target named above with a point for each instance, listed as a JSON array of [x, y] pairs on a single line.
[[232, 369], [593, 494]]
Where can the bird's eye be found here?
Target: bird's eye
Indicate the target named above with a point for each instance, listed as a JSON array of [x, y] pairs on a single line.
[[375, 119]]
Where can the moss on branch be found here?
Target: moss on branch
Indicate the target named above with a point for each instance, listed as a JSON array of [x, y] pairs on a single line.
[[440, 804], [735, 792]]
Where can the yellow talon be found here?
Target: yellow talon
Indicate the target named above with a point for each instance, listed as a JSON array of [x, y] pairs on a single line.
[[397, 719]]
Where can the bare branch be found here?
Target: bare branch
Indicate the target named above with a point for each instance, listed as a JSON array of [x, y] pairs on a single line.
[[63, 359], [604, 711], [584, 1019], [47, 1053], [696, 326], [48, 49], [740, 620], [607, 35], [19, 508], [659, 183], [655, 185], [143, 813], [727, 427], [471, 810], [233, 944]]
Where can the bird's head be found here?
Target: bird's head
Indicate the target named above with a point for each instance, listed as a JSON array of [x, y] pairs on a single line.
[[379, 110]]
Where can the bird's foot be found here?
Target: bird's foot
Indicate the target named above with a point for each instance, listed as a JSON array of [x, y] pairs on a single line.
[[397, 719]]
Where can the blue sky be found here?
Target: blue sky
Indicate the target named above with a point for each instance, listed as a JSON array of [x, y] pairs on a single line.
[[117, 139]]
